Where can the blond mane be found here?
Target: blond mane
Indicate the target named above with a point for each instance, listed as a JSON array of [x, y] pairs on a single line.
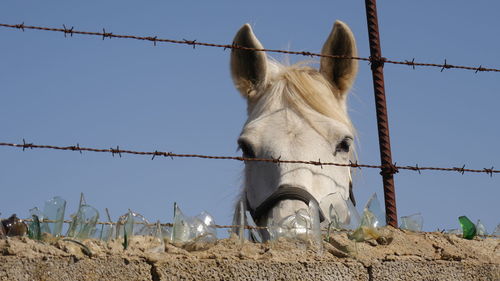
[[301, 87]]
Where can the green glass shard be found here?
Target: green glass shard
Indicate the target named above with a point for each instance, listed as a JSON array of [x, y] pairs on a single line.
[[43, 225], [34, 231], [468, 228], [128, 227]]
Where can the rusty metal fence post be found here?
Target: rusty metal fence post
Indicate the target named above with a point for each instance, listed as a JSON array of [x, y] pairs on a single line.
[[377, 66]]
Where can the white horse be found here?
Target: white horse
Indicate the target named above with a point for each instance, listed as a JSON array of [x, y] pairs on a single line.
[[295, 113]]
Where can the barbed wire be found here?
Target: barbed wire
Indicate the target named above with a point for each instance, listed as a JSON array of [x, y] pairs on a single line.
[[194, 43], [390, 169]]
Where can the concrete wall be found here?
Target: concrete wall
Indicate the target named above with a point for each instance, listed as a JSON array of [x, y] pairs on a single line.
[[72, 268]]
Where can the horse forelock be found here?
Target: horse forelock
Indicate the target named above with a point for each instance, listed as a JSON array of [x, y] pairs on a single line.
[[302, 89]]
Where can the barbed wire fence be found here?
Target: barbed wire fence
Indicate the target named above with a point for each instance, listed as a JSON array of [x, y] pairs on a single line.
[[156, 153], [375, 60], [194, 43]]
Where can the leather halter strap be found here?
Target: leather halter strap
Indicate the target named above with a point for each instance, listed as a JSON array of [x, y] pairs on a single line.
[[284, 192]]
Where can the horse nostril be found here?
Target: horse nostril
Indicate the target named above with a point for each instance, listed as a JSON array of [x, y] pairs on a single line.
[[246, 148]]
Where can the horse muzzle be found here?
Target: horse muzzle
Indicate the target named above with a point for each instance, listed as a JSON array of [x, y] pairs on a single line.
[[284, 192]]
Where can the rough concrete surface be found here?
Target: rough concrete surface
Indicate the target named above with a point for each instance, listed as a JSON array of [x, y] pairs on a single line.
[[399, 256]]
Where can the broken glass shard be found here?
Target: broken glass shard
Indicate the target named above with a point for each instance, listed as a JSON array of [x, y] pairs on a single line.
[[364, 233], [187, 229], [293, 226], [44, 227], [54, 212], [335, 209], [34, 231], [157, 245], [242, 220], [253, 234], [317, 240], [354, 220], [133, 224], [205, 231], [412, 222], [108, 230], [480, 228], [180, 229], [496, 231], [375, 214], [83, 223], [342, 214], [468, 228]]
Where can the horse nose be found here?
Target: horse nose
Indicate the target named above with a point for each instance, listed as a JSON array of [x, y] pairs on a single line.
[[286, 192]]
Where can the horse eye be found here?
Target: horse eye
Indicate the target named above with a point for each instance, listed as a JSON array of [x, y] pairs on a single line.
[[344, 145], [246, 148]]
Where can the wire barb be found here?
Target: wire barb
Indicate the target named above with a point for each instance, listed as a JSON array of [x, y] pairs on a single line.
[[489, 171], [66, 31], [411, 63], [104, 34], [389, 169], [27, 145]]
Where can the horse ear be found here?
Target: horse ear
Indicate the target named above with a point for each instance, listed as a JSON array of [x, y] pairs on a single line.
[[340, 72], [248, 68]]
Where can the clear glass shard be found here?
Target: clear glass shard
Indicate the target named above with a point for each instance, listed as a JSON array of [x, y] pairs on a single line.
[[241, 228], [375, 213], [496, 231], [315, 231], [207, 230], [297, 226], [133, 224], [369, 219], [412, 222], [108, 230], [480, 228], [335, 209], [253, 234], [354, 220], [157, 245], [181, 227], [54, 211], [192, 229], [83, 223]]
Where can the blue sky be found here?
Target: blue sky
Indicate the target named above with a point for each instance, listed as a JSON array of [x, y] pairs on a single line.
[[104, 93]]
